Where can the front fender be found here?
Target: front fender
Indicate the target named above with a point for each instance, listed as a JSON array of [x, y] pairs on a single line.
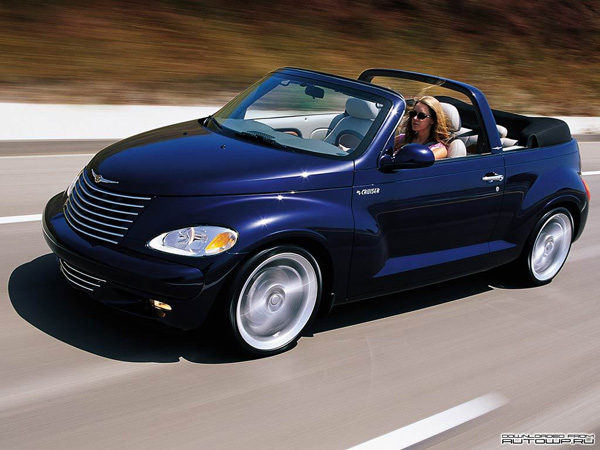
[[321, 216]]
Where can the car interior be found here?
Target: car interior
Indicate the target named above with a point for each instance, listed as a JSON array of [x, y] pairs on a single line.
[[346, 129]]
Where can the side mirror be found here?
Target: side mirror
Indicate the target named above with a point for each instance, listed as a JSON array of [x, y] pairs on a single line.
[[410, 156]]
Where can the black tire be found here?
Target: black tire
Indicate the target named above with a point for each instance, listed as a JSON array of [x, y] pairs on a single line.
[[547, 248], [273, 299]]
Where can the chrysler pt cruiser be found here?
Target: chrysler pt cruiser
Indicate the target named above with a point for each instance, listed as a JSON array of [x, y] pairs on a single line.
[[289, 200]]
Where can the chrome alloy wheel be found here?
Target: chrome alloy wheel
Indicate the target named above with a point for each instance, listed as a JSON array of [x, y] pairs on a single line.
[[551, 246], [277, 301]]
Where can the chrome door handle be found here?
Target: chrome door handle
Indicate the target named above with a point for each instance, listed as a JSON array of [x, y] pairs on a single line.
[[491, 177]]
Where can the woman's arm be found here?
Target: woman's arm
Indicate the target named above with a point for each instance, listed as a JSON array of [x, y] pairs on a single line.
[[439, 150], [398, 142]]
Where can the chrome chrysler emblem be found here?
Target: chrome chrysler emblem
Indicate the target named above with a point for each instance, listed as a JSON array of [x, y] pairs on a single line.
[[100, 179]]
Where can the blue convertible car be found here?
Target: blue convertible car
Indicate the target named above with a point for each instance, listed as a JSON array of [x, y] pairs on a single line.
[[290, 199]]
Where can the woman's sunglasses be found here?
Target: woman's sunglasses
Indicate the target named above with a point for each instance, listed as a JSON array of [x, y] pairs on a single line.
[[420, 115]]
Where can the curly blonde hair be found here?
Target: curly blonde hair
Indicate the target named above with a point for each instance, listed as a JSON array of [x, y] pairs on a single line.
[[439, 131]]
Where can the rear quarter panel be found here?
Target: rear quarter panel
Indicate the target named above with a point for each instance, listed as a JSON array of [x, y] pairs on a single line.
[[537, 180]]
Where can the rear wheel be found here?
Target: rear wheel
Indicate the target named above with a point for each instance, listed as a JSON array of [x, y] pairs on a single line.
[[273, 299], [548, 247]]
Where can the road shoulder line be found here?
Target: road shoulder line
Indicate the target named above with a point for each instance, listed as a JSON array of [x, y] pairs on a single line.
[[431, 426]]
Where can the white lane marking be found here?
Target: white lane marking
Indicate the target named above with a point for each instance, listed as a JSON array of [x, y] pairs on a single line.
[[19, 219], [424, 429], [89, 155], [596, 172]]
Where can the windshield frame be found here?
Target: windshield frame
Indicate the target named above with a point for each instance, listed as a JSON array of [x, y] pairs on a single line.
[[237, 107]]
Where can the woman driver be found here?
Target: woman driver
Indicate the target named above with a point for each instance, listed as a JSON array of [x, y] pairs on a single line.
[[425, 124]]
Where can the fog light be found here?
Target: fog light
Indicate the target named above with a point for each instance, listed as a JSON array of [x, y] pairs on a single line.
[[161, 308]]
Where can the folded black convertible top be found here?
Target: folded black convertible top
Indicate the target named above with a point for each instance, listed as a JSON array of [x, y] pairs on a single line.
[[530, 132]]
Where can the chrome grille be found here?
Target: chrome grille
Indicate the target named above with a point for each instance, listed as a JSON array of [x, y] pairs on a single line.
[[79, 278], [101, 214]]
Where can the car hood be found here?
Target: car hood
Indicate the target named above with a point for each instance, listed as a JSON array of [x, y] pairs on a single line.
[[188, 159]]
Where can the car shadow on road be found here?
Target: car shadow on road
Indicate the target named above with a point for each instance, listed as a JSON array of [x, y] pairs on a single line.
[[403, 302], [42, 297]]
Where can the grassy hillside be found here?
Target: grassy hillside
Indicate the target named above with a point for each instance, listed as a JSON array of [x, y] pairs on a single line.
[[535, 57]]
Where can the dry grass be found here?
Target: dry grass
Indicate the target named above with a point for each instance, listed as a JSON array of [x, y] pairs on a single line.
[[532, 57]]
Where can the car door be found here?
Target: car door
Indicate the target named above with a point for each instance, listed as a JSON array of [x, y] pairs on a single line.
[[421, 225]]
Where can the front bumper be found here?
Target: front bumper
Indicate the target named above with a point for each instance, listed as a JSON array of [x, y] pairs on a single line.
[[127, 280]]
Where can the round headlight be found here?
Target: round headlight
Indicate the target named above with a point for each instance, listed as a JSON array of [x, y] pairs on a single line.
[[195, 241]]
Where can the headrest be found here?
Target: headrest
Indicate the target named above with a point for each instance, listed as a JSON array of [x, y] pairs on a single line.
[[452, 117], [361, 109]]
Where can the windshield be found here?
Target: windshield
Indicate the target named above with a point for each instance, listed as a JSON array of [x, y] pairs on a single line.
[[298, 113]]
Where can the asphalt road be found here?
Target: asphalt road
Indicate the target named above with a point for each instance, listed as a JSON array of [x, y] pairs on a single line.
[[76, 376]]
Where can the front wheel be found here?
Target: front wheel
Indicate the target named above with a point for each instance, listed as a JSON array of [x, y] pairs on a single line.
[[273, 299], [548, 247]]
